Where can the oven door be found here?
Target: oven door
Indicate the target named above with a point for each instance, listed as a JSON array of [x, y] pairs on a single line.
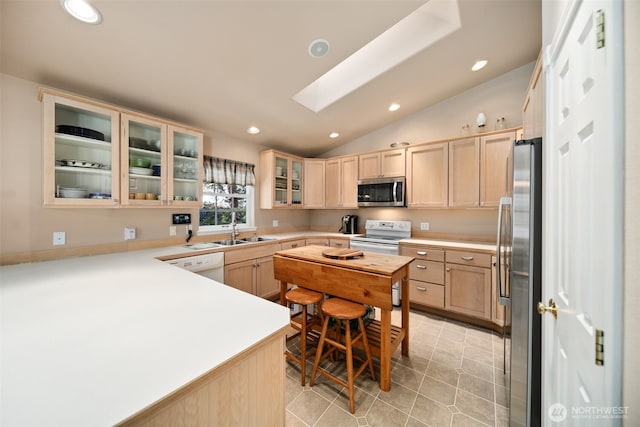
[[378, 248]]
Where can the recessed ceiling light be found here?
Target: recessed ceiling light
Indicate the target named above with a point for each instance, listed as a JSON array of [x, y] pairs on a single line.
[[253, 130], [82, 11], [479, 65], [334, 135], [394, 107]]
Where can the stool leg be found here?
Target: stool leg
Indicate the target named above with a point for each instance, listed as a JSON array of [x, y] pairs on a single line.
[[349, 365], [303, 345], [367, 350], [316, 362]]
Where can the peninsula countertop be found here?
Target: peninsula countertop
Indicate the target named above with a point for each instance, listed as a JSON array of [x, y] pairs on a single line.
[[93, 340]]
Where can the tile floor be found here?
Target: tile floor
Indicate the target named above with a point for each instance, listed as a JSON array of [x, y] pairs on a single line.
[[452, 377]]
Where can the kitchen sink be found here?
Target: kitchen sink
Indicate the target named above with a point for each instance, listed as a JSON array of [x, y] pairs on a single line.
[[257, 239], [230, 242]]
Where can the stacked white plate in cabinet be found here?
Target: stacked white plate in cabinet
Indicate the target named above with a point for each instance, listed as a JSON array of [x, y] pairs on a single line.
[[140, 171], [73, 193]]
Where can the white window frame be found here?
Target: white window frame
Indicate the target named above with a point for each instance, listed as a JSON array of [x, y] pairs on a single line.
[[249, 226]]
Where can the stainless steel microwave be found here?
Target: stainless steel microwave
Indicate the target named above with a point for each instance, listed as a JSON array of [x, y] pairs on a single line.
[[378, 192]]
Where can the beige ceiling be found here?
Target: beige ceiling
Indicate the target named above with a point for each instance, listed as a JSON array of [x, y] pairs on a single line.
[[226, 65]]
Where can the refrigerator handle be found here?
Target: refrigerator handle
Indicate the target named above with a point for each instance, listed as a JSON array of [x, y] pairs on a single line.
[[504, 201]]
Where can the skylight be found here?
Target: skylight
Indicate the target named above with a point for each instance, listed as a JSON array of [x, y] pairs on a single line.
[[425, 26]]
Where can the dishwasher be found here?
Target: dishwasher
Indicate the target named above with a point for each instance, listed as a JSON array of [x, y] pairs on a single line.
[[210, 266]]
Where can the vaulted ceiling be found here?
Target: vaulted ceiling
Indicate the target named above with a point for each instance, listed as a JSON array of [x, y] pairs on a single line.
[[227, 65]]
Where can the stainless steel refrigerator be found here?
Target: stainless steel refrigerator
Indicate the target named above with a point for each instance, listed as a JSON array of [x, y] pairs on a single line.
[[519, 241]]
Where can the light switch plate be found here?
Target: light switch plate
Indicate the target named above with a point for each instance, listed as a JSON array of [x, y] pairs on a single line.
[[129, 233], [172, 230], [424, 226], [275, 222]]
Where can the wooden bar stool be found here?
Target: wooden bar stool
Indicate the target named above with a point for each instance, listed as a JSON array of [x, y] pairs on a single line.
[[304, 297], [343, 310]]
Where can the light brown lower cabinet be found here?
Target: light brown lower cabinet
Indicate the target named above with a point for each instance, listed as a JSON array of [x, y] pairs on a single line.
[[334, 243], [455, 281], [294, 244], [251, 270], [240, 275], [254, 276], [468, 290]]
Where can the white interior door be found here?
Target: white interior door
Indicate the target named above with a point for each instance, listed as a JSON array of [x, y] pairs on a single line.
[[583, 207]]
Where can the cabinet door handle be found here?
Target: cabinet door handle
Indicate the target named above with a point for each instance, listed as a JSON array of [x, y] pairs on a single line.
[[448, 268], [295, 245], [421, 253], [338, 244], [467, 258], [421, 267], [421, 288]]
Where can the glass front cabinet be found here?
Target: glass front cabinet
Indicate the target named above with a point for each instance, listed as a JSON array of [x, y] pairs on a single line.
[[81, 153], [98, 156], [281, 180]]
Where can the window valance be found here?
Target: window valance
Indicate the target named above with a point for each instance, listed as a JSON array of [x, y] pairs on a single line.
[[223, 171]]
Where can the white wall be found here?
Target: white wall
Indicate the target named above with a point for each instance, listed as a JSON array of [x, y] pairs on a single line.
[[500, 97], [25, 226]]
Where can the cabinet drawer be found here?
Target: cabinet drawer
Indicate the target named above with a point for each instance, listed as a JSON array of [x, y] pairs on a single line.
[[468, 258], [427, 271], [422, 253], [339, 243], [426, 293], [294, 244]]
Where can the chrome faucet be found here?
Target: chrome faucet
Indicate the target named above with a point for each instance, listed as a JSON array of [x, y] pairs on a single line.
[[234, 231]]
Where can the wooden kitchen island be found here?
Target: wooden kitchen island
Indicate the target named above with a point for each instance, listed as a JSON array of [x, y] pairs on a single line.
[[367, 280]]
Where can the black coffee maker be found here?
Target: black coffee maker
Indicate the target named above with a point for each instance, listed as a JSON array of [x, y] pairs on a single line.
[[349, 224]]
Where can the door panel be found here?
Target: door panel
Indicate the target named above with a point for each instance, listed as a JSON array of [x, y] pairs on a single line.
[[583, 215]]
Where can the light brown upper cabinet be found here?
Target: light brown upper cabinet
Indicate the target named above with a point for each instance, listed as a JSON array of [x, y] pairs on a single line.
[[314, 183], [99, 155], [464, 175], [427, 175], [381, 164], [164, 163], [342, 182], [532, 109], [81, 153], [496, 167], [280, 180]]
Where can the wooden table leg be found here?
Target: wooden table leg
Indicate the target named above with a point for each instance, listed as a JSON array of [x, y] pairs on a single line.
[[283, 292], [385, 350], [405, 315]]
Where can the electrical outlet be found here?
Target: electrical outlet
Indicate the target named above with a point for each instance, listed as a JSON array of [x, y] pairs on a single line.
[[129, 233], [424, 226], [275, 223], [59, 238], [172, 230]]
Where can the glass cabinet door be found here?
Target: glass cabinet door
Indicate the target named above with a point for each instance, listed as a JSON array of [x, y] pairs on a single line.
[[143, 161], [296, 183], [81, 153], [184, 167], [281, 197]]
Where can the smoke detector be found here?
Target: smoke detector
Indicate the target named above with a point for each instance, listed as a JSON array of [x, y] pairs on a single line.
[[318, 48]]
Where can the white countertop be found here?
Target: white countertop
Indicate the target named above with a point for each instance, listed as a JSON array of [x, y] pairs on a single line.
[[475, 246], [93, 340]]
